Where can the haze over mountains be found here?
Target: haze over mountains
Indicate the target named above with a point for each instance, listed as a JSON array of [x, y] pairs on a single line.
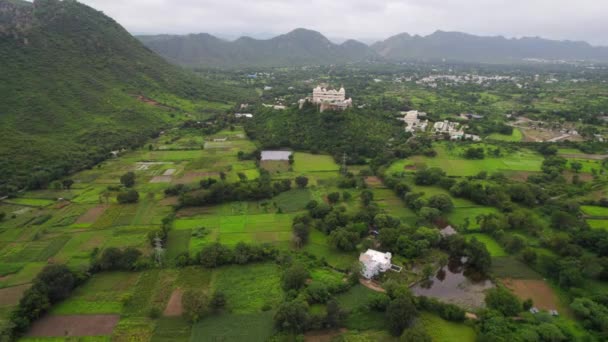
[[301, 47]]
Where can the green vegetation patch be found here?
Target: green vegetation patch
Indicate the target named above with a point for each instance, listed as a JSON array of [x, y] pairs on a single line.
[[104, 293], [594, 210], [516, 136], [460, 216], [456, 165], [493, 247], [23, 276], [319, 247], [306, 162], [31, 202], [250, 288], [234, 328], [293, 200], [441, 330], [511, 267], [172, 329], [598, 224]]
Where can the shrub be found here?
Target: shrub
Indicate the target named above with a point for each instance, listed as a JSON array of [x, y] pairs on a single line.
[[292, 316], [502, 300], [294, 277], [130, 196]]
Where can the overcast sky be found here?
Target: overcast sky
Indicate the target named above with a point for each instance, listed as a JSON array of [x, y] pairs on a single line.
[[365, 19]]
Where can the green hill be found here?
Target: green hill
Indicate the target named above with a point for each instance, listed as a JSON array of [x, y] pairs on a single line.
[[73, 87]]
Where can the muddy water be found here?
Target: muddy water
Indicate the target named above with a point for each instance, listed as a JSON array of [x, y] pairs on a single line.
[[455, 284]]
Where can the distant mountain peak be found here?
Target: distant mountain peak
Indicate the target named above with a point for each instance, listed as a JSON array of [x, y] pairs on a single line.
[[308, 47]]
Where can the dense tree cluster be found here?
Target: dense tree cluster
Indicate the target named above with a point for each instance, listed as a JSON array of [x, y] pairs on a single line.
[[216, 192], [53, 284]]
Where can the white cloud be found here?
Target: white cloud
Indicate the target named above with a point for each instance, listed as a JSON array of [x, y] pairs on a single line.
[[368, 19]]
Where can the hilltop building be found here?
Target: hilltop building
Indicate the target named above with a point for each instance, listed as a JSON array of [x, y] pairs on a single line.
[[328, 99]]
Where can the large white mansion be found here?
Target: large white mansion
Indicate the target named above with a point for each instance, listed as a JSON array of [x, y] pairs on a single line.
[[329, 99]]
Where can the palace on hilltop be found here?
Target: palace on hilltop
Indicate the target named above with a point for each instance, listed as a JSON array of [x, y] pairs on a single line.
[[328, 99]]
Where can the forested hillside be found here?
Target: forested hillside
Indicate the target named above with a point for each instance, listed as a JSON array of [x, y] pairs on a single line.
[[359, 133], [72, 88]]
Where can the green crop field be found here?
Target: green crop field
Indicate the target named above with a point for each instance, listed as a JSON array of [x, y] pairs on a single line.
[[231, 327], [595, 211], [598, 224], [493, 247], [460, 216], [102, 294], [441, 330], [306, 162], [455, 165], [516, 136], [32, 202], [248, 289]]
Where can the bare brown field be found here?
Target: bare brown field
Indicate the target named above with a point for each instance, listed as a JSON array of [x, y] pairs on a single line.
[[10, 296], [76, 325], [373, 182], [174, 306], [538, 290], [92, 214]]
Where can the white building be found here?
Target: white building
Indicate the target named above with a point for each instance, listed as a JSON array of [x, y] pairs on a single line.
[[243, 115], [413, 122], [276, 155], [320, 95], [328, 99], [374, 263]]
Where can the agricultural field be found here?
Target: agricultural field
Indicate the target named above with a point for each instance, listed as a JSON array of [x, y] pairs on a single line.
[[516, 136], [493, 247], [451, 159]]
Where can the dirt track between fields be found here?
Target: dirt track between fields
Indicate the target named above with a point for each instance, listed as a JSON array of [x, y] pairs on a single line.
[[174, 306]]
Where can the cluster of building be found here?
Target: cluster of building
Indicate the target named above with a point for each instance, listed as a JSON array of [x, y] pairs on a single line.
[[413, 121], [434, 80], [416, 121], [328, 99]]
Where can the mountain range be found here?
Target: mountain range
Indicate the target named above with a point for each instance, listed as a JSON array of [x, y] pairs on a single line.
[[306, 47]]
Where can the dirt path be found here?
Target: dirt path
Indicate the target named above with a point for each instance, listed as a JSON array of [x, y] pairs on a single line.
[[372, 285], [174, 306]]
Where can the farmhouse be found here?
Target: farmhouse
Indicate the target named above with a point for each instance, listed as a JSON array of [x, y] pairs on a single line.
[[374, 263], [447, 232], [276, 155]]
